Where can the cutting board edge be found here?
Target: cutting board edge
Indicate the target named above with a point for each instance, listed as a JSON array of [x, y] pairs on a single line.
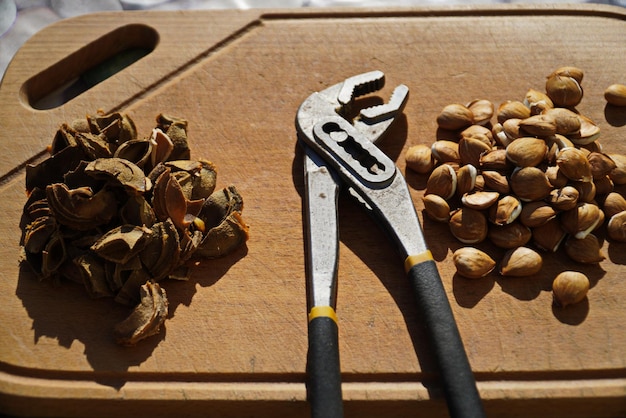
[[28, 396]]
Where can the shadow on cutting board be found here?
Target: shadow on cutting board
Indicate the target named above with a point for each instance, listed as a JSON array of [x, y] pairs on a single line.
[[64, 311]]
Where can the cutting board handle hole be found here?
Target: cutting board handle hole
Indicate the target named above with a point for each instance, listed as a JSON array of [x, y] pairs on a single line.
[[88, 66]]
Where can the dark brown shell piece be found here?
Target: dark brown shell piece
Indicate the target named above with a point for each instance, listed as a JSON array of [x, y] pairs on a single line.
[[35, 196], [169, 201], [162, 252], [202, 175], [116, 127], [93, 272], [121, 244], [158, 194], [162, 146], [227, 230], [137, 211], [94, 146], [78, 178], [137, 151], [229, 235], [129, 293], [64, 137], [219, 205], [176, 129], [53, 255], [147, 317], [80, 208], [52, 169], [120, 172], [189, 243], [37, 234], [176, 204]]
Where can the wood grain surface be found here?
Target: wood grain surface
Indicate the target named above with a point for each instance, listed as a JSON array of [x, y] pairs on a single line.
[[235, 343]]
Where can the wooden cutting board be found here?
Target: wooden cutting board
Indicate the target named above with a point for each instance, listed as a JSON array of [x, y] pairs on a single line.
[[235, 343]]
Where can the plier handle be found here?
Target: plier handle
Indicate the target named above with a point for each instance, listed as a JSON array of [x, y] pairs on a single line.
[[341, 153]]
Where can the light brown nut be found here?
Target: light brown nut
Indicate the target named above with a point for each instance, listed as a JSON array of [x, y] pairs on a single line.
[[496, 181], [499, 136], [535, 214], [539, 125], [454, 117], [480, 182], [436, 207], [581, 220], [527, 151], [537, 101], [521, 262], [573, 163], [446, 151], [601, 164], [479, 200], [588, 132], [470, 150], [512, 129], [555, 177], [442, 181], [496, 160], [615, 94], [472, 263], [563, 90], [419, 159], [553, 148], [505, 211], [567, 122], [618, 174], [594, 146], [570, 71], [466, 179], [564, 198], [512, 109], [478, 131], [549, 236], [482, 109], [616, 227], [530, 183], [613, 203], [562, 142], [604, 185], [569, 287], [504, 133], [586, 250], [509, 236], [586, 190], [469, 226]]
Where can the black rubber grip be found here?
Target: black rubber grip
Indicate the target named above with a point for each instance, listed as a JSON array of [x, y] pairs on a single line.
[[457, 379], [324, 373]]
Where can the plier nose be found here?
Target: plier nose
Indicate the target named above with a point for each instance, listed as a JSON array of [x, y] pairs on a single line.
[[341, 153], [338, 100]]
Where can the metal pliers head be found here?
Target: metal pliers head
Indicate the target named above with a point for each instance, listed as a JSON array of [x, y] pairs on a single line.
[[338, 99]]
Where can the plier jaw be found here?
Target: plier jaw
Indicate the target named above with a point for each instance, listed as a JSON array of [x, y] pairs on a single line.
[[339, 99]]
